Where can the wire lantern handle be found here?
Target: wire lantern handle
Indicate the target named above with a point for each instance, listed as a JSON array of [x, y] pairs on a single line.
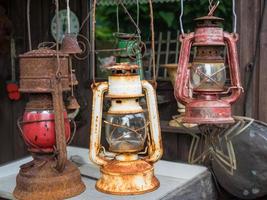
[[135, 23], [181, 17], [29, 24], [93, 41], [152, 39], [212, 8], [234, 16]]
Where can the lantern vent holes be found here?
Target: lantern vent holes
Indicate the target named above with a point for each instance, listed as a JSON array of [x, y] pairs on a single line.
[[214, 53], [118, 101], [124, 72], [209, 21]]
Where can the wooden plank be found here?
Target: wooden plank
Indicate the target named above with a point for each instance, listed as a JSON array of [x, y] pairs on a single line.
[[248, 19], [167, 52], [158, 54], [262, 71]]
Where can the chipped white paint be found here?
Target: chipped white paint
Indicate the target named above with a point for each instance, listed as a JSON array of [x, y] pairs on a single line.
[[124, 86]]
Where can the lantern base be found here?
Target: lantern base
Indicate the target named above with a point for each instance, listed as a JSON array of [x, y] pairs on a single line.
[[127, 178], [39, 180], [208, 112]]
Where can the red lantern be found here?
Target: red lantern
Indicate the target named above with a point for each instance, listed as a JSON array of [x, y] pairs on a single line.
[[211, 98], [45, 76]]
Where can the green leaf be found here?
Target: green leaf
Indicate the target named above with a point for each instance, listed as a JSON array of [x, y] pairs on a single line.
[[168, 17]]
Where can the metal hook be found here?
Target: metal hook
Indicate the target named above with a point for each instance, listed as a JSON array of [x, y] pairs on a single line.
[[234, 16], [212, 8], [181, 17]]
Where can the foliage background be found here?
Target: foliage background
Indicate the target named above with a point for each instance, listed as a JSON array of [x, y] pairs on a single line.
[[166, 17]]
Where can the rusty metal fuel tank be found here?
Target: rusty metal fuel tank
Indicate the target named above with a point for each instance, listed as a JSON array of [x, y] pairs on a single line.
[[38, 68]]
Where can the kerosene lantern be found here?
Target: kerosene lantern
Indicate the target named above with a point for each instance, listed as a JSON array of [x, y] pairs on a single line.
[[130, 49], [206, 77], [45, 75], [128, 132]]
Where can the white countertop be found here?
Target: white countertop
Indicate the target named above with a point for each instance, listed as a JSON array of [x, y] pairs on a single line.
[[170, 174]]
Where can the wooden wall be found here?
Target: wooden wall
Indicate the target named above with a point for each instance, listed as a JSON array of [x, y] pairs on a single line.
[[249, 19]]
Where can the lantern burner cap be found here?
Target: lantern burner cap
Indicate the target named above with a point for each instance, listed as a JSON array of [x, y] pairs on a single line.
[[209, 21], [123, 69]]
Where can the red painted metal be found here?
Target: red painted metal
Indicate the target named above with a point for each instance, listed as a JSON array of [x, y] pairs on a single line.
[[38, 130], [13, 91], [208, 107], [45, 75]]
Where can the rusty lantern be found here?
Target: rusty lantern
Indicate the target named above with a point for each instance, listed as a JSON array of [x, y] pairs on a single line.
[[45, 128], [213, 50], [127, 131]]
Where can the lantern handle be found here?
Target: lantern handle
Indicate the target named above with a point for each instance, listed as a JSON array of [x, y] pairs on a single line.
[[130, 17], [181, 17], [181, 83], [157, 149], [230, 40], [98, 96]]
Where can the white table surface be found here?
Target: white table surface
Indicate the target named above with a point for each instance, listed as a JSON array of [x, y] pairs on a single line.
[[171, 175]]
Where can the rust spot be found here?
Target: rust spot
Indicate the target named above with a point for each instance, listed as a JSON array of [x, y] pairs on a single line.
[[127, 178], [32, 183]]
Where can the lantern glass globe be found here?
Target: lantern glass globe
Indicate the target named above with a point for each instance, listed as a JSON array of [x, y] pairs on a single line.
[[126, 133], [208, 76]]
